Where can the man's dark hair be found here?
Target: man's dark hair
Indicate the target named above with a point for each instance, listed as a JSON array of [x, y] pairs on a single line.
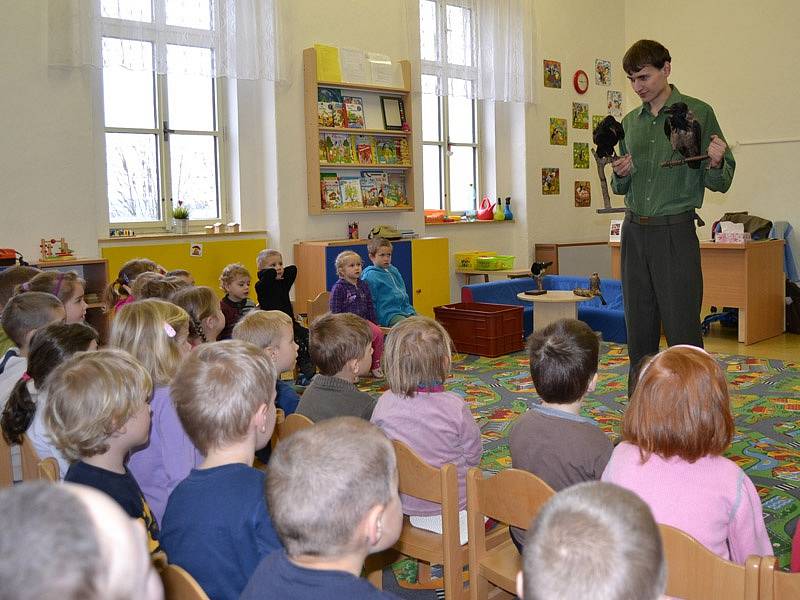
[[643, 53], [563, 358]]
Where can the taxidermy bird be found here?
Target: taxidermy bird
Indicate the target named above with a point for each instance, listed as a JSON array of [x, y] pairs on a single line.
[[538, 268], [607, 135], [683, 132]]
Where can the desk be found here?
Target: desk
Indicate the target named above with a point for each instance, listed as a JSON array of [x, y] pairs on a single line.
[[510, 273], [746, 276], [552, 306]]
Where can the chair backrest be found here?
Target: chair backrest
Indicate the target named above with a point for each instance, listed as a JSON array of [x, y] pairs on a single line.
[[695, 573], [48, 469], [292, 423], [280, 417], [29, 459], [775, 584], [418, 478], [318, 306], [179, 585], [512, 496]]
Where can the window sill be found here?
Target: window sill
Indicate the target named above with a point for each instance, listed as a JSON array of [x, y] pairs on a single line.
[[476, 222], [195, 235]]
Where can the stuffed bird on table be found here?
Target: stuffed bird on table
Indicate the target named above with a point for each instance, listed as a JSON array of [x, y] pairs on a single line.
[[683, 132]]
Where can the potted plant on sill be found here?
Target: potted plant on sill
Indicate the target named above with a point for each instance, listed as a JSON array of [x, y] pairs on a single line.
[[180, 215]]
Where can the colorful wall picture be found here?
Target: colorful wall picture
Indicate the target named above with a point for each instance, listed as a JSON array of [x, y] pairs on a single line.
[[602, 72], [551, 183], [615, 104], [558, 131], [580, 115], [580, 155], [196, 249], [596, 120], [552, 74], [583, 194]]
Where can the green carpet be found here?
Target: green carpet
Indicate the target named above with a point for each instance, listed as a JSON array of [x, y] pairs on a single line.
[[765, 394]]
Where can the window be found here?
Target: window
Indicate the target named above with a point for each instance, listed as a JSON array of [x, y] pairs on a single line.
[[450, 138], [162, 134]]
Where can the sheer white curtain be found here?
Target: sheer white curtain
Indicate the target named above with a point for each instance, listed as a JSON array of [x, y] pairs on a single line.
[[489, 43], [244, 33]]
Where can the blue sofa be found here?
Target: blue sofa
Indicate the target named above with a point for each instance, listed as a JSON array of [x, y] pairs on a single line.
[[609, 319]]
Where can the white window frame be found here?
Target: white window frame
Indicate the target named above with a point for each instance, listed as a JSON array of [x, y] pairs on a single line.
[[437, 69], [168, 35]]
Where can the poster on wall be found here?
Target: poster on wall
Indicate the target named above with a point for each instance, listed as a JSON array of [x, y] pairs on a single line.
[[196, 249], [552, 74], [596, 120], [558, 131], [615, 104], [583, 194], [580, 115], [602, 72], [580, 155], [551, 183]]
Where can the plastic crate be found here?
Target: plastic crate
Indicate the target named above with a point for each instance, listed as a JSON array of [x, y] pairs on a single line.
[[483, 329], [494, 263], [466, 259]]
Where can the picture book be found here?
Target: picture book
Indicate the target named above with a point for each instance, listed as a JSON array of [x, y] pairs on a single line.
[[396, 192], [323, 149], [558, 132], [330, 107], [374, 185], [365, 149], [403, 152], [350, 191], [354, 111], [386, 149], [339, 148], [329, 188]]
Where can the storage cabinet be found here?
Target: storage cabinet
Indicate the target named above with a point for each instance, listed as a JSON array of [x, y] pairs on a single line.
[[356, 169], [423, 263]]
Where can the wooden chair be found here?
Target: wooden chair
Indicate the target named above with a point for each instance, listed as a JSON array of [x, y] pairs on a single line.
[[48, 469], [280, 417], [775, 584], [695, 573], [512, 497], [292, 423], [179, 585], [30, 462], [318, 306]]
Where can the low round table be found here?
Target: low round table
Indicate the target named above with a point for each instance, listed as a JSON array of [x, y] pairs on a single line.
[[552, 306]]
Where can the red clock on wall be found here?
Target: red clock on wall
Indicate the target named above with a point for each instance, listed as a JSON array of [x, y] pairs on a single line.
[[580, 81]]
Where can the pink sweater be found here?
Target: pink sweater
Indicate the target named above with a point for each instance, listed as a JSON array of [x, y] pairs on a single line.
[[711, 499]]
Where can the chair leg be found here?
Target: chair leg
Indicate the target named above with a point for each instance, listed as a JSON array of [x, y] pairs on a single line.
[[478, 587], [453, 580], [373, 568], [423, 572]]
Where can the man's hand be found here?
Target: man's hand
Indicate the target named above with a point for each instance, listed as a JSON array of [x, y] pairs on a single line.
[[622, 166], [716, 151]]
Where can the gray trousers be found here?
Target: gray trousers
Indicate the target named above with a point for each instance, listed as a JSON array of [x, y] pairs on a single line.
[[662, 283]]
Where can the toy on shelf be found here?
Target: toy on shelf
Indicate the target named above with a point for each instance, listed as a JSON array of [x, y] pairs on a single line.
[[49, 252]]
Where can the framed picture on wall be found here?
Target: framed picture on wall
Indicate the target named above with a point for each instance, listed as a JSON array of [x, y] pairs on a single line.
[[394, 113]]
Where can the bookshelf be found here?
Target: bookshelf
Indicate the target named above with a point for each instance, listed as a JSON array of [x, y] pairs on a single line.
[[380, 160]]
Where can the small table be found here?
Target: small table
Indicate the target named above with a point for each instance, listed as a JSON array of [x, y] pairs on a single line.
[[510, 273], [552, 306]]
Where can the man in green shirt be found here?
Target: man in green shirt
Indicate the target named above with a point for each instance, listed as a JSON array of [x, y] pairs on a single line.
[[660, 254]]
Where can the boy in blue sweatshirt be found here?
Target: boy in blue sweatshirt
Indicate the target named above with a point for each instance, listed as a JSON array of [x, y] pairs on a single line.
[[386, 285]]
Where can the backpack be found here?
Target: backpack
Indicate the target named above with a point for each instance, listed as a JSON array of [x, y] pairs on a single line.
[[792, 307], [757, 227]]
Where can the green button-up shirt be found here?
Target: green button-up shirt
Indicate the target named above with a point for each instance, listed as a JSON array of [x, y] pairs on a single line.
[[653, 190]]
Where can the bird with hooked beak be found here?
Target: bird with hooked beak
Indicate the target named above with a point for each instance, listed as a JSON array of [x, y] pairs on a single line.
[[683, 132]]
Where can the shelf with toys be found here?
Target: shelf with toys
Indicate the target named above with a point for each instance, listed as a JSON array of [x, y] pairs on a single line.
[[358, 143]]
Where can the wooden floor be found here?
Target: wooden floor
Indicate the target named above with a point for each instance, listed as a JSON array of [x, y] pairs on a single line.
[[723, 339]]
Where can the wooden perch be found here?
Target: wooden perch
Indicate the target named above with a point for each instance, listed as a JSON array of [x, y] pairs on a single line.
[[683, 161], [601, 165]]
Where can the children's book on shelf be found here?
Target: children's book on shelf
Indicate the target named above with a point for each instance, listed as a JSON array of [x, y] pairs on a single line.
[[329, 188], [350, 190], [403, 152], [364, 149], [339, 148], [330, 108], [323, 149], [354, 111], [374, 185], [386, 149], [396, 190]]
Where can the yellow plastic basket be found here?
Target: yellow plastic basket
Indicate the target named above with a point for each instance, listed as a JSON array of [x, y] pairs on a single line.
[[468, 258], [494, 263]]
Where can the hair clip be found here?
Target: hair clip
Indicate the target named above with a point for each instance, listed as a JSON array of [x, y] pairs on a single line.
[[169, 330], [26, 287], [26, 377], [125, 279], [59, 281]]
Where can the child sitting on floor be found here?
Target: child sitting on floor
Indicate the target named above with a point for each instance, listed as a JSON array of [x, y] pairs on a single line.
[[351, 295], [156, 285], [332, 493], [341, 349], [417, 411], [66, 286], [97, 411], [273, 286], [206, 320], [216, 524], [235, 281], [10, 278], [552, 440], [119, 292], [675, 429], [386, 285]]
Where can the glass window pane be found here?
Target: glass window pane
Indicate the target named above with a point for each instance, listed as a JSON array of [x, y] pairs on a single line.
[[431, 110], [189, 13], [462, 178], [190, 93], [459, 35], [128, 83], [432, 176], [131, 170], [131, 10], [193, 165], [461, 120], [428, 30]]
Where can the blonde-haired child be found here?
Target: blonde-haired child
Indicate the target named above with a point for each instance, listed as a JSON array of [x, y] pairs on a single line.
[[205, 317], [155, 332], [156, 285], [417, 410], [118, 293], [97, 412], [235, 282], [67, 286], [351, 295]]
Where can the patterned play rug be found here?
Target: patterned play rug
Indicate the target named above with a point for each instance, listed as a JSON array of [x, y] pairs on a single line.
[[766, 402]]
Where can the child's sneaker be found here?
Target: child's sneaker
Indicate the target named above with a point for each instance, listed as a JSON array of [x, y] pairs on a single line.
[[377, 373]]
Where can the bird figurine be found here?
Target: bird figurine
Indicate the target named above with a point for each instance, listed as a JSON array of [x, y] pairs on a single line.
[[683, 132], [593, 290], [607, 135], [538, 269]]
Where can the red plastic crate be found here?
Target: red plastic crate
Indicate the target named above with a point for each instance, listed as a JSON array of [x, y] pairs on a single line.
[[483, 329]]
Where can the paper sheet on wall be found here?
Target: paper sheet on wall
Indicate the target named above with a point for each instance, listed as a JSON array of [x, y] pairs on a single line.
[[384, 71], [328, 67], [354, 65]]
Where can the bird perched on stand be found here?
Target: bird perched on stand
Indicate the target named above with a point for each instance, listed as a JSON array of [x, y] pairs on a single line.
[[683, 132], [607, 135]]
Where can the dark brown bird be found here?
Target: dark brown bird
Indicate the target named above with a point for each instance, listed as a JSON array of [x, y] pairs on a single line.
[[683, 132], [607, 135]]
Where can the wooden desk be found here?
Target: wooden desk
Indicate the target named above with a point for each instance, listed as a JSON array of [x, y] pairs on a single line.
[[510, 273], [746, 276]]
